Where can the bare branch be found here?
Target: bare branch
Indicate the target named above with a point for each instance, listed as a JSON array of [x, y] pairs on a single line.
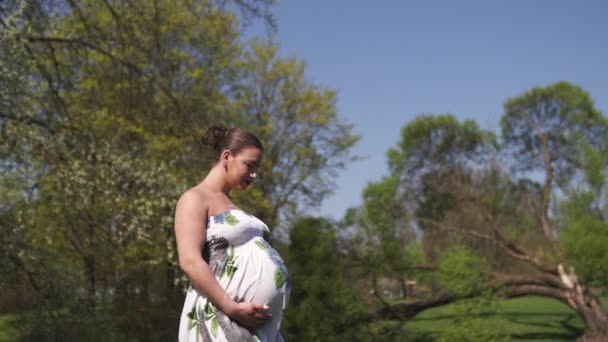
[[509, 247]]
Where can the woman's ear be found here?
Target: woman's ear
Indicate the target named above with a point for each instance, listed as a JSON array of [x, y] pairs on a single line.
[[224, 158], [225, 155]]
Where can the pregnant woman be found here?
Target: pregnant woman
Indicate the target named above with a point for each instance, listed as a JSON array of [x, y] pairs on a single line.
[[239, 285]]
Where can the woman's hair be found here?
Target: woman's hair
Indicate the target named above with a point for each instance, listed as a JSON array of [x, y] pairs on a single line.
[[219, 138]]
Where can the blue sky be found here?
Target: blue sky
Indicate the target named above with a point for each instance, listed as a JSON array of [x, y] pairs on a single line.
[[393, 60]]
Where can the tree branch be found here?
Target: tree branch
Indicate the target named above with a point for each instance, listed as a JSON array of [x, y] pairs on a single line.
[[530, 279], [539, 290], [28, 120], [130, 66], [509, 247], [406, 311]]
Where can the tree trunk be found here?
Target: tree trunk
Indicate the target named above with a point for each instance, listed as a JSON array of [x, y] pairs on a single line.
[[581, 299], [564, 287], [89, 263], [590, 309]]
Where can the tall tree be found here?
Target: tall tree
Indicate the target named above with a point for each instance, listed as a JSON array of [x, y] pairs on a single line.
[[106, 123], [306, 142], [546, 128], [466, 193]]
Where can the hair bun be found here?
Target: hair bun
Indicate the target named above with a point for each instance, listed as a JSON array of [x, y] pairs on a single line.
[[213, 135], [220, 138]]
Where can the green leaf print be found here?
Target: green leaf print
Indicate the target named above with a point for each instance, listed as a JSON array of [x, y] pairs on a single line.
[[193, 323], [229, 271], [230, 267], [279, 278], [209, 311], [193, 318], [231, 219], [192, 313], [214, 327], [261, 245]]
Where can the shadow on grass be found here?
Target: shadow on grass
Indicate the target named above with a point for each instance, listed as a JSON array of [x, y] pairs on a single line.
[[571, 331], [419, 336], [502, 314], [544, 336]]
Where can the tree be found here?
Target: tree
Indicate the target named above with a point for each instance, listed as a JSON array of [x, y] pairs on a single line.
[[545, 128], [461, 190], [306, 142], [321, 300], [100, 119], [385, 246], [104, 126]]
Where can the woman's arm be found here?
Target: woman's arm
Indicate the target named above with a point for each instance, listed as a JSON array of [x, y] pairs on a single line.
[[190, 234]]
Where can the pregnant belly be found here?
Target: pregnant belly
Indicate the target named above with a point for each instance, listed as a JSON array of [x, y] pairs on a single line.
[[260, 276]]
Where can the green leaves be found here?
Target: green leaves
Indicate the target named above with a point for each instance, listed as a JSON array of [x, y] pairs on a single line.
[[430, 141], [584, 237], [548, 124], [322, 285], [463, 273], [100, 114], [476, 320], [305, 141]]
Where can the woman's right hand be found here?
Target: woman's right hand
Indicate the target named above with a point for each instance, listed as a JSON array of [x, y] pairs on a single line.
[[251, 316]]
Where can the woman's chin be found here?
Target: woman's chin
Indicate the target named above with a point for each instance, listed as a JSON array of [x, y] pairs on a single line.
[[241, 186]]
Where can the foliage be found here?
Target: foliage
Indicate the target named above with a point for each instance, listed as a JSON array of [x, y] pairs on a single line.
[[102, 103], [547, 125], [489, 225], [584, 238], [462, 273], [305, 141], [322, 301], [429, 141], [476, 320]]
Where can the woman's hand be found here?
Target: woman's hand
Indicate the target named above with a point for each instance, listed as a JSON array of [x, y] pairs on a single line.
[[251, 316]]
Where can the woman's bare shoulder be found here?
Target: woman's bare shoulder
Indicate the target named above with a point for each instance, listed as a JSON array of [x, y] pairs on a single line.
[[196, 198]]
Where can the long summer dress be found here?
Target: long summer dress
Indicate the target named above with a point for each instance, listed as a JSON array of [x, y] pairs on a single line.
[[248, 269]]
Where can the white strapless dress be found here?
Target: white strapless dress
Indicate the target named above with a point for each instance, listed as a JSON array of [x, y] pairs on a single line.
[[248, 269]]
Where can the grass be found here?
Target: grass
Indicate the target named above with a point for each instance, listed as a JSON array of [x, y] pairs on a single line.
[[525, 319], [7, 330]]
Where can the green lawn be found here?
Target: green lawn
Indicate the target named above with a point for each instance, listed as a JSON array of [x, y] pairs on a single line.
[[526, 319]]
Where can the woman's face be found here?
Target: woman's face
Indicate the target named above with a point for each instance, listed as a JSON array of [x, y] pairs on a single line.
[[242, 167]]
